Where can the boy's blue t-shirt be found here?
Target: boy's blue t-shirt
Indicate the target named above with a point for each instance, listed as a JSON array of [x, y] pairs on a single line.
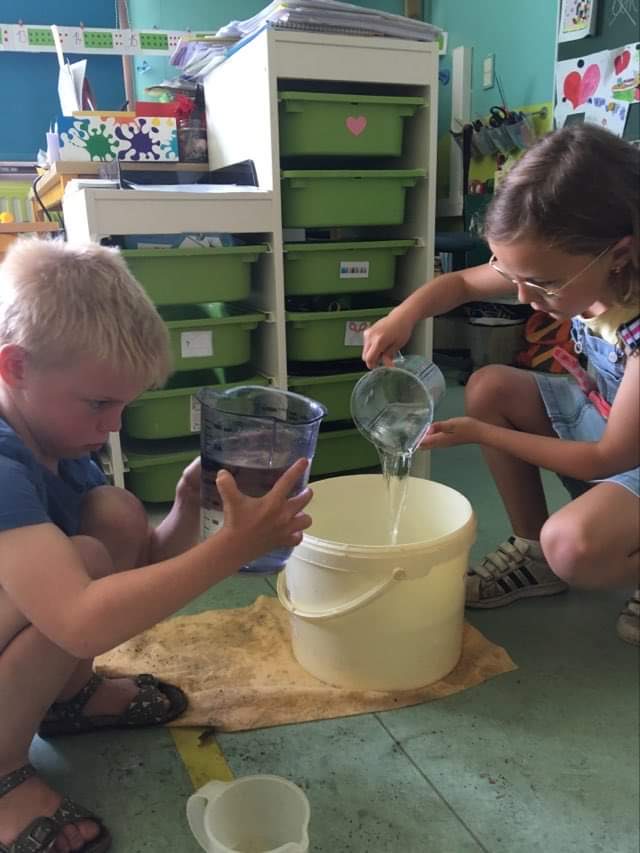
[[32, 494]]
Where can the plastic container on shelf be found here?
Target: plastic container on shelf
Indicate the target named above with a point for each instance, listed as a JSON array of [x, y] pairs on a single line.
[[319, 198], [335, 124], [327, 335], [333, 391], [209, 335], [317, 268], [155, 468], [174, 410], [342, 450], [181, 276]]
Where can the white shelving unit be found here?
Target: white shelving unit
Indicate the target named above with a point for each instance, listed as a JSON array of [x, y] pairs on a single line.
[[242, 122]]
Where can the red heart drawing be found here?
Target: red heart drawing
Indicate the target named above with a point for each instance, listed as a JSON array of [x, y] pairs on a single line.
[[579, 88], [356, 124], [621, 61]]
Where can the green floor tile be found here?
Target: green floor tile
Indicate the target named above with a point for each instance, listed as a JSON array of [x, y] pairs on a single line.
[[365, 795]]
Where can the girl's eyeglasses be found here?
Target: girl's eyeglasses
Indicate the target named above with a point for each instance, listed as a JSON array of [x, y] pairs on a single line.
[[538, 288]]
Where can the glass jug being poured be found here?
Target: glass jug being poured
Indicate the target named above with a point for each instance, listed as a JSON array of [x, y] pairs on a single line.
[[393, 407]]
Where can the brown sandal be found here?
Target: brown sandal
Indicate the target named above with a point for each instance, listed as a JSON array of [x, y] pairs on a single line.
[[42, 832], [148, 708]]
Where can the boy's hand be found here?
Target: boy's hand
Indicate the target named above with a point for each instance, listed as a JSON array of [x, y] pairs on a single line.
[[272, 521], [385, 338], [188, 488], [450, 433]]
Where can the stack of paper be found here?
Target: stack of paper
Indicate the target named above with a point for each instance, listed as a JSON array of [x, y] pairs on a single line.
[[331, 15], [197, 56]]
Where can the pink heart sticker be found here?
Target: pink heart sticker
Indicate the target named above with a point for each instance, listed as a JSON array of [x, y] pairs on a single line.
[[621, 61], [356, 124]]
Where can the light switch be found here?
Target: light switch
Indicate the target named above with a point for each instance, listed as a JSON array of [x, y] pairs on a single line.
[[487, 71]]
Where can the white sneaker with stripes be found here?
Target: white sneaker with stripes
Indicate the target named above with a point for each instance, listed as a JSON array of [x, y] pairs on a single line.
[[510, 572], [628, 625]]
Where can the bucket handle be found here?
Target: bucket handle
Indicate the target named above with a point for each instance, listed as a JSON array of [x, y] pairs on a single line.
[[397, 574]]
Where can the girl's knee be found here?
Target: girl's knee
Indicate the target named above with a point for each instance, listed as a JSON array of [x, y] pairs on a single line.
[[485, 389], [570, 550]]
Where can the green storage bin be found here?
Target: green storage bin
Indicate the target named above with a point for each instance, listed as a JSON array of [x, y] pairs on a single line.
[[328, 335], [181, 276], [174, 410], [211, 335], [325, 124], [317, 268], [320, 198], [342, 450], [154, 470], [334, 392]]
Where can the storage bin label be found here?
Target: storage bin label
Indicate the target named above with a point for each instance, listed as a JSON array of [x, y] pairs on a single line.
[[354, 332], [354, 269], [196, 414], [196, 344]]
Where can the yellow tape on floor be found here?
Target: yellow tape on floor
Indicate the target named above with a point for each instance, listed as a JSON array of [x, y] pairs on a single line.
[[201, 756]]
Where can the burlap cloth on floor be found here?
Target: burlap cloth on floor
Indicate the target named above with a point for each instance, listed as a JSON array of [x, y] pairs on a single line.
[[238, 670]]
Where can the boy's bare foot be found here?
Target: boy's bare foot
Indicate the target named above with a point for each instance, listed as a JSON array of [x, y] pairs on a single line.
[[33, 799]]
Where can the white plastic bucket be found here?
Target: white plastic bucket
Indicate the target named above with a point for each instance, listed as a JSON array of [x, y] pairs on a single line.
[[373, 616]]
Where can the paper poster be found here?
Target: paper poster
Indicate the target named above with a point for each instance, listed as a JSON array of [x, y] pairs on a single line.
[[108, 138], [598, 88], [577, 19]]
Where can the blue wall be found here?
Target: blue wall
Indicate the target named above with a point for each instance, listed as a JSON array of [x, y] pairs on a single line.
[[520, 34], [202, 15], [29, 81]]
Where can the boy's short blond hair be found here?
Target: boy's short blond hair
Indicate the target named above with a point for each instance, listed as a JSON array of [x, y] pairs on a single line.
[[63, 302]]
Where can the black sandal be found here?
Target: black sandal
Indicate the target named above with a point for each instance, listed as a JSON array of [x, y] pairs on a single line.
[[148, 708], [42, 832]]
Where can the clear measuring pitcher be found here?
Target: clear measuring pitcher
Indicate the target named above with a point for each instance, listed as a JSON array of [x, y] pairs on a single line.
[[393, 407], [255, 433], [253, 814]]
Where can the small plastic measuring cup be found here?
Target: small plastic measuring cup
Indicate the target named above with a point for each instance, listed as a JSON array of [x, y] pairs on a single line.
[[393, 407], [253, 814], [255, 433]]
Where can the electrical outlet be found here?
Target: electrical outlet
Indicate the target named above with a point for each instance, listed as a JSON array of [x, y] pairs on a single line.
[[488, 65]]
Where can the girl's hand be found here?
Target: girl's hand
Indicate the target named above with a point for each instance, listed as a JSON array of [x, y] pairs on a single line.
[[385, 338], [188, 488], [451, 433], [272, 521]]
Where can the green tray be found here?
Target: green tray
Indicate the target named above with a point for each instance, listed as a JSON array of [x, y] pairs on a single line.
[[334, 392], [181, 276], [342, 450], [175, 411], [210, 335], [319, 124], [316, 268], [328, 335], [325, 198], [154, 471]]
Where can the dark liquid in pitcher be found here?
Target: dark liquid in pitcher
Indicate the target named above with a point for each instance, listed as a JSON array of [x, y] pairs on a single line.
[[251, 480]]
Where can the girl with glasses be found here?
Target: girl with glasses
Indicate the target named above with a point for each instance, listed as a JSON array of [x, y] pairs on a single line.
[[564, 230]]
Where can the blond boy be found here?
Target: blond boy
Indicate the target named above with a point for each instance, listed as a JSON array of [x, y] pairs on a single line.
[[80, 568]]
